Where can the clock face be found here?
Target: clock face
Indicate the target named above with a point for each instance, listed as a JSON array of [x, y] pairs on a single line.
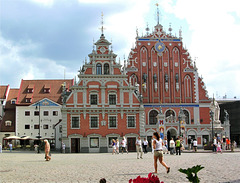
[[159, 47], [102, 49]]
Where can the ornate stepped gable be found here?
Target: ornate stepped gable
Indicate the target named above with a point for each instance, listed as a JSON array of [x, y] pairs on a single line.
[[164, 70]]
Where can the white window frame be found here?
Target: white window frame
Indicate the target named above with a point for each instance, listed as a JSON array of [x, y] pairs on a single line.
[[90, 121], [27, 111], [94, 93], [98, 142], [79, 121], [109, 121], [46, 111], [134, 120], [109, 100], [8, 123]]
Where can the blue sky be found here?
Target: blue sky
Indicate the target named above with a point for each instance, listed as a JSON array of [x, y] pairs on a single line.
[[39, 39]]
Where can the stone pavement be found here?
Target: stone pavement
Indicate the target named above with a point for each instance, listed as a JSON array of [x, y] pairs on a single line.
[[30, 167]]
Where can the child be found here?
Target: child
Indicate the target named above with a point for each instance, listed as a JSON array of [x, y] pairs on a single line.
[[219, 146]]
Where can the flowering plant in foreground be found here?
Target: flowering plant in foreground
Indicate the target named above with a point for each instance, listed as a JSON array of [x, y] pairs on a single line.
[[150, 179]]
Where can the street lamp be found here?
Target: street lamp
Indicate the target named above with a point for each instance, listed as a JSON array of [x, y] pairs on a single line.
[[38, 104], [212, 114], [179, 120]]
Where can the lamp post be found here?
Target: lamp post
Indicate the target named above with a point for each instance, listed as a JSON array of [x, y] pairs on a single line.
[[38, 107], [179, 119], [212, 114]]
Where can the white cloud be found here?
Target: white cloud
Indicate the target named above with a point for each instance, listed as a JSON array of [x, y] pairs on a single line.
[[215, 39], [15, 66], [122, 25], [47, 3]]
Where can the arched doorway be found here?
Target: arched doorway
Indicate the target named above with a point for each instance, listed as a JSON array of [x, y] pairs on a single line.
[[172, 133]]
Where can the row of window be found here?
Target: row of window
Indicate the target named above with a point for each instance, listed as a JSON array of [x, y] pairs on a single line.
[[153, 116], [112, 99], [94, 124], [45, 90], [99, 68], [45, 113], [37, 126]]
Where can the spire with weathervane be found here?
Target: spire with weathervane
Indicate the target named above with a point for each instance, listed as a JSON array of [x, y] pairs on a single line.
[[102, 28]]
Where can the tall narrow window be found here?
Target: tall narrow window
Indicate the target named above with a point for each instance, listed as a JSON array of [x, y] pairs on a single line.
[[112, 122], [93, 99], [186, 113], [153, 117], [106, 68], [112, 99], [131, 122], [99, 69], [94, 122], [75, 122]]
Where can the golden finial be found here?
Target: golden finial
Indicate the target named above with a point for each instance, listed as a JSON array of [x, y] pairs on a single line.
[[102, 28]]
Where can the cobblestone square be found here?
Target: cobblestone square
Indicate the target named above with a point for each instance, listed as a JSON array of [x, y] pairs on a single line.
[[31, 167]]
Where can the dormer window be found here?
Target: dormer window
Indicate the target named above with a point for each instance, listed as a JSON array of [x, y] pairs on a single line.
[[106, 68], [30, 89], [28, 98], [13, 101], [8, 123], [99, 69], [46, 89]]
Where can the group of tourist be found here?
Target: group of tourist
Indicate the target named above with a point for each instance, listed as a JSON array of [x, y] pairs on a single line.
[[115, 146], [223, 144]]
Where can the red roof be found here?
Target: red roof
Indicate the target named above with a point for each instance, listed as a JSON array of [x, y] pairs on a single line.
[[38, 90], [13, 93], [3, 91]]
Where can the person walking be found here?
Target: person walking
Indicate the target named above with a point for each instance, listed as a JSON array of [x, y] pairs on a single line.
[[172, 146], [189, 143], [219, 146], [178, 146], [63, 147], [145, 145], [0, 148], [124, 143], [114, 146], [10, 147], [117, 146], [214, 145], [47, 150], [166, 144], [139, 148], [228, 142], [158, 152], [195, 145]]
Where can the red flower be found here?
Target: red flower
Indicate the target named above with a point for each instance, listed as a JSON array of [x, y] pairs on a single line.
[[151, 179]]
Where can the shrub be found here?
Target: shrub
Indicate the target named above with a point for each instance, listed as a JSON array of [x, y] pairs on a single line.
[[150, 179]]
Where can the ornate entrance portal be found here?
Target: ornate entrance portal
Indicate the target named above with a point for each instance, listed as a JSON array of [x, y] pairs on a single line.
[[171, 133]]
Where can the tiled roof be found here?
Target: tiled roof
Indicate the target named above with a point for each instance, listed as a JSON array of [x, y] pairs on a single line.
[[38, 90], [9, 114], [13, 93], [3, 91]]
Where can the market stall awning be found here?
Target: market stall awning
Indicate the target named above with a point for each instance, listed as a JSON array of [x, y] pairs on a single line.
[[12, 138]]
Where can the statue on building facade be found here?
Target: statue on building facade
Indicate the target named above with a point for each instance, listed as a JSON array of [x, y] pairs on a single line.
[[214, 107]]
